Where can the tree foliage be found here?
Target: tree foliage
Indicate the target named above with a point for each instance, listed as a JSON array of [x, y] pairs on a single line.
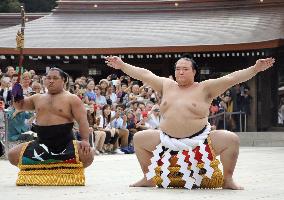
[[39, 5], [10, 6]]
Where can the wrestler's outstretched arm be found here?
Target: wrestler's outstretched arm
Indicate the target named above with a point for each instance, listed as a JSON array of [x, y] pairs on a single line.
[[144, 75], [26, 104], [215, 87]]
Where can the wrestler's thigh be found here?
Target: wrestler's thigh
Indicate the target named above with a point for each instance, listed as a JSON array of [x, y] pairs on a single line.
[[14, 154], [147, 139], [222, 139]]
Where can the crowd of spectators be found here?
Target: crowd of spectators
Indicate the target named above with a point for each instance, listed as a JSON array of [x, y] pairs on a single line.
[[236, 102]]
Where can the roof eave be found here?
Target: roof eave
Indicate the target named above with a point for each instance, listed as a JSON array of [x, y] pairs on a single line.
[[133, 50]]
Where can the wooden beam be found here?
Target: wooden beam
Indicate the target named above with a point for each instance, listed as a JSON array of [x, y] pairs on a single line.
[[134, 50]]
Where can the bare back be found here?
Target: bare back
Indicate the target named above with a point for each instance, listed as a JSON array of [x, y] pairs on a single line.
[[53, 109], [185, 110]]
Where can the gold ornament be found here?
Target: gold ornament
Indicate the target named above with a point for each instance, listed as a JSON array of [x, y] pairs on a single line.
[[20, 40]]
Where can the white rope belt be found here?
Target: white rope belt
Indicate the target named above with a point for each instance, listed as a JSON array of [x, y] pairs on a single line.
[[179, 145]]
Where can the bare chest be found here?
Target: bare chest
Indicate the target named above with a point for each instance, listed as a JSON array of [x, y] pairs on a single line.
[[188, 101], [57, 106]]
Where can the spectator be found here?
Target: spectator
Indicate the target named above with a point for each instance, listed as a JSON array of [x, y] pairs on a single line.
[[111, 96], [99, 136], [120, 123], [154, 118], [80, 82], [104, 83], [2, 118], [5, 92], [213, 110], [17, 125], [134, 106], [36, 78], [246, 101], [154, 97], [141, 120], [32, 73], [36, 88], [79, 91], [131, 126], [105, 125], [227, 104], [122, 94], [83, 81], [100, 99], [10, 71], [133, 96], [25, 82], [90, 95], [13, 80], [281, 111]]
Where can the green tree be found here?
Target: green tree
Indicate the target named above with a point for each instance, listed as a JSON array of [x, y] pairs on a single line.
[[9, 6], [39, 5]]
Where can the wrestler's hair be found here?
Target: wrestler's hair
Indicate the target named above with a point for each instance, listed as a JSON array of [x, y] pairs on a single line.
[[188, 57], [62, 74]]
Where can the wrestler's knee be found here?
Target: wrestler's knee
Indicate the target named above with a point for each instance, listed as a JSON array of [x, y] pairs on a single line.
[[234, 139], [223, 139], [137, 138], [12, 157], [87, 159], [88, 162]]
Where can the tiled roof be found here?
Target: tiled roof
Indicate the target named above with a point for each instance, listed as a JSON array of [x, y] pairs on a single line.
[[12, 19], [96, 31]]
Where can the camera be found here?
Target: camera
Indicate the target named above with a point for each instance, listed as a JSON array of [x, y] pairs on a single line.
[[115, 82], [113, 77], [32, 93]]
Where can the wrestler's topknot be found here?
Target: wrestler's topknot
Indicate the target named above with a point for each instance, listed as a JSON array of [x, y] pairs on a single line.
[[63, 74]]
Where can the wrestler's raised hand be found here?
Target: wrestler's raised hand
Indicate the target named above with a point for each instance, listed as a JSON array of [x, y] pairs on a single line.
[[17, 92], [263, 64], [85, 147], [114, 62]]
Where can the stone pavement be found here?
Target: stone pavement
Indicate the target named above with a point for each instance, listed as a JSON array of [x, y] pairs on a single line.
[[260, 170]]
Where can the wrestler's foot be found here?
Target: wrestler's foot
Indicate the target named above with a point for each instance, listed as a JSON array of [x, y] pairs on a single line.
[[230, 184], [143, 183]]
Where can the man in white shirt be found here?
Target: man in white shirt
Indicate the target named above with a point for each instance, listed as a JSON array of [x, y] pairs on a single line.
[[154, 118], [119, 123]]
